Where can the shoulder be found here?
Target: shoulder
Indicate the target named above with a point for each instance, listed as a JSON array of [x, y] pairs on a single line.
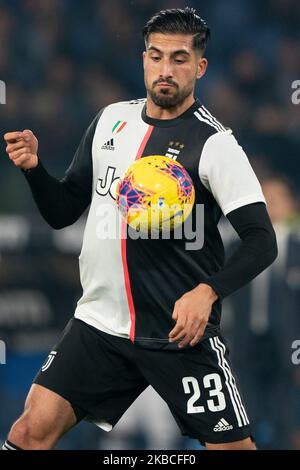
[[221, 143], [133, 105], [208, 122], [222, 152], [120, 111], [113, 117]]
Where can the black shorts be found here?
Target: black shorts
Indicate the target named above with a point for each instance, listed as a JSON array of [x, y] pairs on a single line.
[[101, 375]]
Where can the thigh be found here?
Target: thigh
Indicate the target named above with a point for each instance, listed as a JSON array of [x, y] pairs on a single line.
[[49, 412], [200, 389], [93, 371], [46, 417]]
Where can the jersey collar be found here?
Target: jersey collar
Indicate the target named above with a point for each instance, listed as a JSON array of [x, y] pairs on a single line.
[[170, 122]]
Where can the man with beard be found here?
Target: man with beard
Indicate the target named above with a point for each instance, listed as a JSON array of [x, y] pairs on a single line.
[[150, 309]]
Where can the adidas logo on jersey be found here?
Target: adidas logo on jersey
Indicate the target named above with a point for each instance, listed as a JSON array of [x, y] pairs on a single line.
[[109, 145], [222, 425]]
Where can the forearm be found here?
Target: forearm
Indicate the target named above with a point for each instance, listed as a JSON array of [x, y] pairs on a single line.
[[256, 252], [60, 202]]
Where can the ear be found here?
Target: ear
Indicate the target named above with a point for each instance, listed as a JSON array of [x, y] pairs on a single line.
[[201, 68], [144, 56]]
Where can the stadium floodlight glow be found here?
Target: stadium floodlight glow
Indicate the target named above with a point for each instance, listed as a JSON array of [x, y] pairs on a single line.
[[2, 352], [2, 92]]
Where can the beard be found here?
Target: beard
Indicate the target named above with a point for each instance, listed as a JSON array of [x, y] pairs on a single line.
[[167, 98]]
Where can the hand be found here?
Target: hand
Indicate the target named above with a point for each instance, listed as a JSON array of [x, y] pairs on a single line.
[[191, 313], [22, 149]]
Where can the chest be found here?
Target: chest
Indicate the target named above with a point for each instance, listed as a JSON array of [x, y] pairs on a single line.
[[118, 142]]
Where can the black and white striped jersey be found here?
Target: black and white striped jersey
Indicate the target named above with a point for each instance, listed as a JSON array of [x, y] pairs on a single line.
[[130, 284]]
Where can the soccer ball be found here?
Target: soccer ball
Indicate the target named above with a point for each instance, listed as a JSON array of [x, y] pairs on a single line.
[[156, 194]]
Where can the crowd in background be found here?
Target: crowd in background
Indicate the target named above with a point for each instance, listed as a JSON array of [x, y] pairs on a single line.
[[62, 61]]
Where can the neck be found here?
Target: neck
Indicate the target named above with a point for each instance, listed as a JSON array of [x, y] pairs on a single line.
[[156, 112]]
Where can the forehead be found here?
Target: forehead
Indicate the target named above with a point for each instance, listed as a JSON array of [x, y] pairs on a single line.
[[171, 42]]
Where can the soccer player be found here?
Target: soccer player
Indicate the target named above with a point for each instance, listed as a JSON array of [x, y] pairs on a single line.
[[150, 309]]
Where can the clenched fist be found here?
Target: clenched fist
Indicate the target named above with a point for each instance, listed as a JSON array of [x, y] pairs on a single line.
[[22, 149]]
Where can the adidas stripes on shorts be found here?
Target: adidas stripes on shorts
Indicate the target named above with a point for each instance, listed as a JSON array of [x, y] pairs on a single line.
[[101, 375]]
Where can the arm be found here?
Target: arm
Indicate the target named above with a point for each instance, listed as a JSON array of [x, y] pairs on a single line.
[[256, 252], [61, 202], [226, 172]]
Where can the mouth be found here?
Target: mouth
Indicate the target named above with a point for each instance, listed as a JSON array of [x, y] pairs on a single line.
[[164, 85]]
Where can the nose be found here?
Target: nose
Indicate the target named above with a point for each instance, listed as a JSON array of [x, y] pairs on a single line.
[[166, 69]]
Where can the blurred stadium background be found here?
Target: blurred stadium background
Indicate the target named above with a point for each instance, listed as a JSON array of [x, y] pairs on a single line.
[[61, 62]]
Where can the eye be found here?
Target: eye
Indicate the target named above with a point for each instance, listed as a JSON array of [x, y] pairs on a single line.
[[179, 61], [155, 58]]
